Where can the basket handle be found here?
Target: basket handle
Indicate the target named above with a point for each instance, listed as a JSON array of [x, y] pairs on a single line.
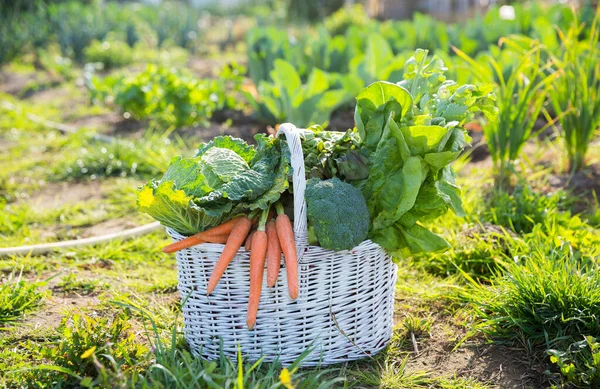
[[292, 136]]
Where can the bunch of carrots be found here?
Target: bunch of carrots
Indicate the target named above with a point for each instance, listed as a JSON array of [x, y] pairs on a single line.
[[266, 243]]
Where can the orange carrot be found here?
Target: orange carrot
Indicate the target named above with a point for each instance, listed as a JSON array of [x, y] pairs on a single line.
[[234, 242], [202, 237], [222, 239], [273, 254], [288, 246], [248, 244], [257, 269]]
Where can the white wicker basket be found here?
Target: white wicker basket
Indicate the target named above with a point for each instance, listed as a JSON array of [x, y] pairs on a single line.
[[344, 310]]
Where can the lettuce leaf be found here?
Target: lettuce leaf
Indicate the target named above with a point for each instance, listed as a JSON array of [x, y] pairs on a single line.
[[410, 133]]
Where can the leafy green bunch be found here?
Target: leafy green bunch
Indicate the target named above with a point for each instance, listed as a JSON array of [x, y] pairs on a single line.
[[225, 178], [170, 96], [286, 98], [329, 154], [112, 54], [410, 134], [266, 45]]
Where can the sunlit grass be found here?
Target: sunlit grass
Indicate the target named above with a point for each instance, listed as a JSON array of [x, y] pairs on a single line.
[[18, 297]]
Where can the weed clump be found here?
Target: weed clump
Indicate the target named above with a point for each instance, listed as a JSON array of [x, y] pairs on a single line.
[[17, 297]]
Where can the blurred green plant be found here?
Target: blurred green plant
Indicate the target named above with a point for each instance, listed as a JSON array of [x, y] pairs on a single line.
[[521, 90], [575, 95], [286, 99], [266, 45], [112, 54], [378, 61], [13, 36], [131, 34], [168, 96], [330, 54], [17, 297], [338, 22], [96, 159], [77, 25], [311, 10], [174, 22]]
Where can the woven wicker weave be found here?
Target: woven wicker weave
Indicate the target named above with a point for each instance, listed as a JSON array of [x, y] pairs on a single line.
[[344, 310]]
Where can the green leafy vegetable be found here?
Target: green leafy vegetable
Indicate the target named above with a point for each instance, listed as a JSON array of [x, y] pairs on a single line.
[[410, 133], [286, 98], [329, 154], [226, 177]]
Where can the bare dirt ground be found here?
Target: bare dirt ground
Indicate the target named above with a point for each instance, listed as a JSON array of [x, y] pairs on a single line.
[[502, 366], [14, 83], [56, 307], [53, 195], [583, 183], [107, 227]]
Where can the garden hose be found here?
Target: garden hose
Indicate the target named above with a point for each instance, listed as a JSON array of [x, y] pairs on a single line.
[[49, 247], [44, 248]]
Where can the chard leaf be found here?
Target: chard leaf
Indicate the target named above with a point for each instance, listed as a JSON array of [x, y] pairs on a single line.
[[403, 148], [401, 241], [410, 133], [378, 94], [450, 193]]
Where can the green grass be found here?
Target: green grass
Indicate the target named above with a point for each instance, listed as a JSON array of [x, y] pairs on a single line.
[[522, 209], [94, 159], [71, 283], [18, 297], [548, 296]]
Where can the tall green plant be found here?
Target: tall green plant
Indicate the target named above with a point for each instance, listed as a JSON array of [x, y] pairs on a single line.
[[521, 90], [575, 95], [13, 35], [286, 99], [77, 25], [266, 45]]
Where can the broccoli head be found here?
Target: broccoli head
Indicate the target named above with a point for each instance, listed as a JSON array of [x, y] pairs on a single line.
[[337, 214]]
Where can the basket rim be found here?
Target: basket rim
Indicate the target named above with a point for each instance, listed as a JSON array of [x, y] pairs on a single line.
[[367, 243]]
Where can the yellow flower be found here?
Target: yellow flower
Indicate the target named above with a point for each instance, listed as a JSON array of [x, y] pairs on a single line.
[[146, 197], [88, 353], [285, 379]]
